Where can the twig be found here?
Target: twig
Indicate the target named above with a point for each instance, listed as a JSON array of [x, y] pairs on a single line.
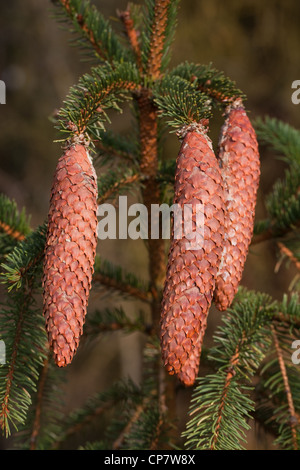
[[122, 287], [269, 234], [116, 186], [88, 418], [293, 417], [11, 232], [81, 23], [132, 35], [151, 194], [4, 412], [158, 37], [287, 252], [112, 151], [281, 317], [262, 237], [139, 410], [37, 418], [161, 406], [230, 374], [215, 94]]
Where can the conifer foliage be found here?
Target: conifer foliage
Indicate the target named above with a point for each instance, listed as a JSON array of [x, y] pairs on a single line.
[[248, 373]]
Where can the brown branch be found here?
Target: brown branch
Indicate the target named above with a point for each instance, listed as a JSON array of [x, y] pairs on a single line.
[[115, 326], [293, 416], [132, 35], [24, 270], [215, 94], [230, 374], [81, 23], [151, 193], [118, 442], [158, 37], [122, 287], [287, 252], [112, 151], [4, 412], [136, 415], [86, 115], [148, 130], [78, 426], [283, 318], [11, 232], [269, 234], [162, 407], [116, 186], [262, 237], [40, 392]]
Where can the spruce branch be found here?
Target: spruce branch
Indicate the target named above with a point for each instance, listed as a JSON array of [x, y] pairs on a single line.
[[180, 102], [156, 43], [14, 224], [283, 202], [22, 329], [91, 29], [46, 411], [115, 182], [210, 81], [24, 260], [97, 445], [111, 147], [279, 389], [116, 278], [119, 396], [11, 232], [280, 136], [84, 109], [148, 134], [234, 360], [38, 408], [144, 429], [286, 252], [221, 404], [132, 35], [118, 443], [110, 320], [159, 29], [287, 312], [294, 422]]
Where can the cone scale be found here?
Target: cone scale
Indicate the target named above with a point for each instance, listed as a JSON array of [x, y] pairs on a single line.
[[69, 251], [191, 274], [240, 166]]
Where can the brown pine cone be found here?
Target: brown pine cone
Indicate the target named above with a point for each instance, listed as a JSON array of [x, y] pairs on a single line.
[[190, 279], [70, 251], [239, 158]]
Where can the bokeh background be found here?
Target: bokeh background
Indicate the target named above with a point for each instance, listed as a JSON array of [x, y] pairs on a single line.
[[255, 43]]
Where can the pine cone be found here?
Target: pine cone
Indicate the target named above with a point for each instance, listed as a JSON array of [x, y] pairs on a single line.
[[70, 251], [190, 278], [239, 158]]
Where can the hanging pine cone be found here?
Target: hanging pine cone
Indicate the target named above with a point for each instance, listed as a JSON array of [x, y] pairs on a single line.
[[239, 158], [69, 251], [190, 278]]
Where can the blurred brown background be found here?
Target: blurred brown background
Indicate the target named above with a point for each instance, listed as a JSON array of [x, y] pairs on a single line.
[[255, 43]]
